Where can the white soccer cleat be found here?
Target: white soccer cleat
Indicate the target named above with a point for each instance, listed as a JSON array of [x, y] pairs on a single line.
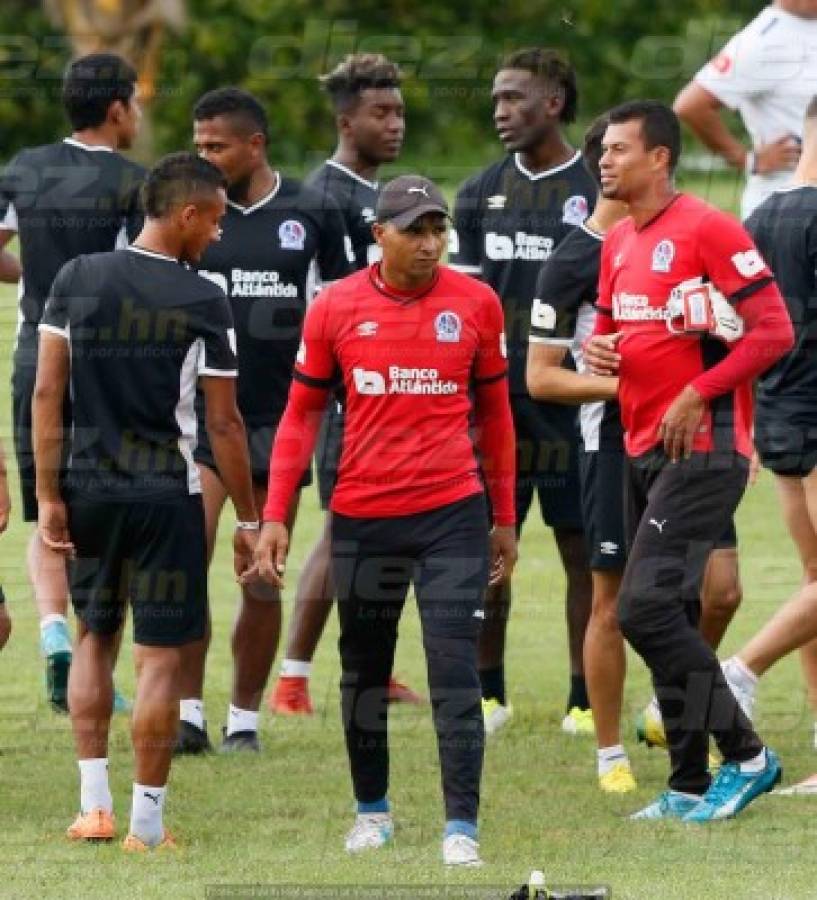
[[744, 696], [370, 832], [461, 850], [495, 715]]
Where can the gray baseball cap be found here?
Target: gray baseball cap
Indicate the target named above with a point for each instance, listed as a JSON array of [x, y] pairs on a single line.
[[404, 199]]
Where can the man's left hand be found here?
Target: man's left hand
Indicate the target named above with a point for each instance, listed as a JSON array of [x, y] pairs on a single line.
[[503, 553], [681, 423]]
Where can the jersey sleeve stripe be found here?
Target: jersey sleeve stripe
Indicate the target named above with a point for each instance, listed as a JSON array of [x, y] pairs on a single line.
[[219, 373], [309, 381], [750, 289], [553, 342], [52, 329], [465, 269], [490, 379]]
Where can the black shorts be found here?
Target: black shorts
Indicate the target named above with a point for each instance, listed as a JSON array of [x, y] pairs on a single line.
[[547, 462], [327, 452], [787, 446], [153, 553], [602, 477], [22, 390], [259, 439]]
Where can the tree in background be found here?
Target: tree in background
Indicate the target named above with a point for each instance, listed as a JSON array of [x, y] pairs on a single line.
[[448, 52]]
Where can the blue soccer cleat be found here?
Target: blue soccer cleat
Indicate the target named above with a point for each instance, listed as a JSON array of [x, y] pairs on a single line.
[[733, 790], [669, 805]]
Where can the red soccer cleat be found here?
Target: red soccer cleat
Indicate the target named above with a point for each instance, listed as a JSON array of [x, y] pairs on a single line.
[[402, 693], [291, 697]]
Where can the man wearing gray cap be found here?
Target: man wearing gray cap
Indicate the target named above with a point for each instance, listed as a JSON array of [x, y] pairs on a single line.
[[419, 348]]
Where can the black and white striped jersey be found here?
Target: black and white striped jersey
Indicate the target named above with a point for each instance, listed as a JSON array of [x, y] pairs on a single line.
[[507, 222], [63, 200], [270, 260], [142, 328], [564, 315]]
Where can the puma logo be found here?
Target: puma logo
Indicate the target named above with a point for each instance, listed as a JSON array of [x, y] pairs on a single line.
[[153, 797], [418, 190], [658, 525]]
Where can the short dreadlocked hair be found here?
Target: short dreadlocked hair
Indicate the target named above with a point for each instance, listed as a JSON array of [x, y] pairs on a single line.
[[356, 73], [551, 66]]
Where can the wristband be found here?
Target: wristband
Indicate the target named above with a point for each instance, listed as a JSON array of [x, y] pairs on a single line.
[[247, 526]]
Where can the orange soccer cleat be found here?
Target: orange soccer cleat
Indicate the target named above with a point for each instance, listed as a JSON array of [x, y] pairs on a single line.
[[133, 844], [96, 825], [402, 693], [291, 697]]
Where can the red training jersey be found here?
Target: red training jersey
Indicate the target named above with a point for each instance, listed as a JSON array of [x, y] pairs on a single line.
[[408, 364], [639, 268]]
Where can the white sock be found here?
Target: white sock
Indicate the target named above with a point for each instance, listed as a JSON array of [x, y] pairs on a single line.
[[607, 757], [94, 792], [192, 711], [50, 619], [241, 720], [755, 764], [146, 813], [740, 674], [295, 668]]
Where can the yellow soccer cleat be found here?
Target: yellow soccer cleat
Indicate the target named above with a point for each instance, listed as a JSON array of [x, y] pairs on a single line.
[[579, 721], [619, 780], [495, 715], [649, 727]]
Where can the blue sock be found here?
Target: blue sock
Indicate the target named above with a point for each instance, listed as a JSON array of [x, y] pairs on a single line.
[[460, 826], [375, 806]]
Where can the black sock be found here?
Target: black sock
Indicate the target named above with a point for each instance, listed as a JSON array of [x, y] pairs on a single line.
[[493, 683], [578, 693]]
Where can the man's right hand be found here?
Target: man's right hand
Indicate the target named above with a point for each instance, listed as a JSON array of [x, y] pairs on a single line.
[[52, 526], [269, 556], [781, 155], [600, 353]]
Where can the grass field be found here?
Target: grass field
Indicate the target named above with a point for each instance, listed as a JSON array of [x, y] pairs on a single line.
[[279, 818]]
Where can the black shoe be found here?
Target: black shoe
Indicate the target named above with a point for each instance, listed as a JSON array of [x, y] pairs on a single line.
[[239, 741], [192, 740], [57, 667]]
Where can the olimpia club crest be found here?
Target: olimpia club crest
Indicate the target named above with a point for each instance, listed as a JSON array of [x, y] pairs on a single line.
[[575, 210], [448, 327], [292, 235], [662, 256]]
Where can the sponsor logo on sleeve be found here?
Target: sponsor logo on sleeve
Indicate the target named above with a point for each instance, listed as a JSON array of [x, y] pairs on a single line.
[[367, 329], [749, 263], [662, 256], [292, 235], [497, 201]]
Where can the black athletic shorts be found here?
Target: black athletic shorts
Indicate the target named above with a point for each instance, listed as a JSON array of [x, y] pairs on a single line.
[[603, 474], [787, 446], [153, 554], [327, 452], [547, 462], [602, 479], [260, 439]]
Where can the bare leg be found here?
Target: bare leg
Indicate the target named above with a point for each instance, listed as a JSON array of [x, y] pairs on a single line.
[[155, 712], [604, 659], [194, 654], [5, 625], [256, 631], [578, 593], [721, 594], [48, 576], [90, 692], [313, 599], [795, 623]]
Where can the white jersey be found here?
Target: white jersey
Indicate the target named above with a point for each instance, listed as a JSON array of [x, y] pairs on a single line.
[[767, 73]]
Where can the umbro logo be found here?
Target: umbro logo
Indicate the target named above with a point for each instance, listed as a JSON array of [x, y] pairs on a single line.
[[419, 190], [367, 329], [496, 201], [608, 548], [659, 525], [479, 613]]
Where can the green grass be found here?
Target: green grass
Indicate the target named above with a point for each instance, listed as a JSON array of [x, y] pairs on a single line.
[[280, 818]]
